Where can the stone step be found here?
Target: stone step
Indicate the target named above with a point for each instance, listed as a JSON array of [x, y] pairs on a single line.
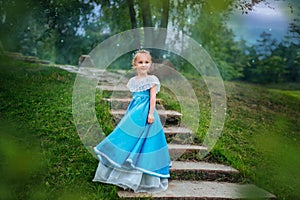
[[104, 77], [204, 190], [186, 151], [122, 103], [178, 135], [118, 91], [113, 88], [190, 170], [166, 116], [118, 103]]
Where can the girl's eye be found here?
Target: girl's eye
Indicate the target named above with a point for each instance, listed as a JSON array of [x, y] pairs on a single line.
[[141, 62]]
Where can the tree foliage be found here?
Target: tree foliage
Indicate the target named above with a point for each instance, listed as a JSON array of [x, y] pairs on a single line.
[[62, 30]]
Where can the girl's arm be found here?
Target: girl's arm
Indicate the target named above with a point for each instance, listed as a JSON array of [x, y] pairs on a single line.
[[152, 104]]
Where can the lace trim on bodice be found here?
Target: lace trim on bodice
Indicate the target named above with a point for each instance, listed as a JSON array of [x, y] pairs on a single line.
[[141, 84]]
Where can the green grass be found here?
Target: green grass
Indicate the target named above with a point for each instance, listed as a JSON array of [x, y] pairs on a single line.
[[261, 137], [42, 156], [36, 109]]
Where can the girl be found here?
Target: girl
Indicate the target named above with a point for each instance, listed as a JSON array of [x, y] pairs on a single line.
[[135, 155]]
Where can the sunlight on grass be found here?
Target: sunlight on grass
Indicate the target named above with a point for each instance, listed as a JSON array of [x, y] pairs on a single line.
[[280, 167], [291, 93], [22, 163]]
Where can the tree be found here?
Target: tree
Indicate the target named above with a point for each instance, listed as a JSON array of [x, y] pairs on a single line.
[[291, 55], [211, 32], [66, 29], [269, 61]]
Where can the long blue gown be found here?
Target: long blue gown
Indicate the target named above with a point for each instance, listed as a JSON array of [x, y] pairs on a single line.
[[135, 154]]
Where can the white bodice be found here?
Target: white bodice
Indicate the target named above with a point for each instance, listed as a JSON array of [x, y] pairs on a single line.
[[136, 84]]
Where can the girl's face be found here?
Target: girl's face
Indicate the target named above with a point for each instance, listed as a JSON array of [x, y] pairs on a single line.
[[142, 63]]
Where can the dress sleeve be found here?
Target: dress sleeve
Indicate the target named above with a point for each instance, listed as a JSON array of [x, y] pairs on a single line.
[[143, 84], [154, 81], [130, 84]]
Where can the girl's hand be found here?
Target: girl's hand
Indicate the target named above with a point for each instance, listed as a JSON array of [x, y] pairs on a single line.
[[150, 119]]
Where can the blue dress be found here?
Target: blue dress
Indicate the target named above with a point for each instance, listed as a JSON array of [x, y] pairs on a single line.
[[135, 154]]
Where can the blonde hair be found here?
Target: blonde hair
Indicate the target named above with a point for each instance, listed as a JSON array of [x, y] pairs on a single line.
[[138, 52]]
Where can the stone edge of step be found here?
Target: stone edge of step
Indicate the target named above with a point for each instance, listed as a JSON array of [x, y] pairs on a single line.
[[201, 166], [204, 190], [160, 112]]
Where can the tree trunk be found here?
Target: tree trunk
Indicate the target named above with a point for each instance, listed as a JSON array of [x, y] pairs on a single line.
[[165, 15], [146, 13], [132, 14], [147, 21], [134, 23], [161, 38]]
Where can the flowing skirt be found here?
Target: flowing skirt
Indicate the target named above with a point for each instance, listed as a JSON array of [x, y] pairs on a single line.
[[135, 155]]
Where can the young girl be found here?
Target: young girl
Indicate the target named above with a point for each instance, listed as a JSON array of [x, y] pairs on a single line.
[[135, 155]]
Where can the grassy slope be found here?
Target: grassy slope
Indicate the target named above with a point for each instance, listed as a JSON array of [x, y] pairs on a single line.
[[36, 105], [261, 136], [42, 156]]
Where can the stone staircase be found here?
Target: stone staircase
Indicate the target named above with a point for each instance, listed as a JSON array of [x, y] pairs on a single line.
[[191, 178]]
